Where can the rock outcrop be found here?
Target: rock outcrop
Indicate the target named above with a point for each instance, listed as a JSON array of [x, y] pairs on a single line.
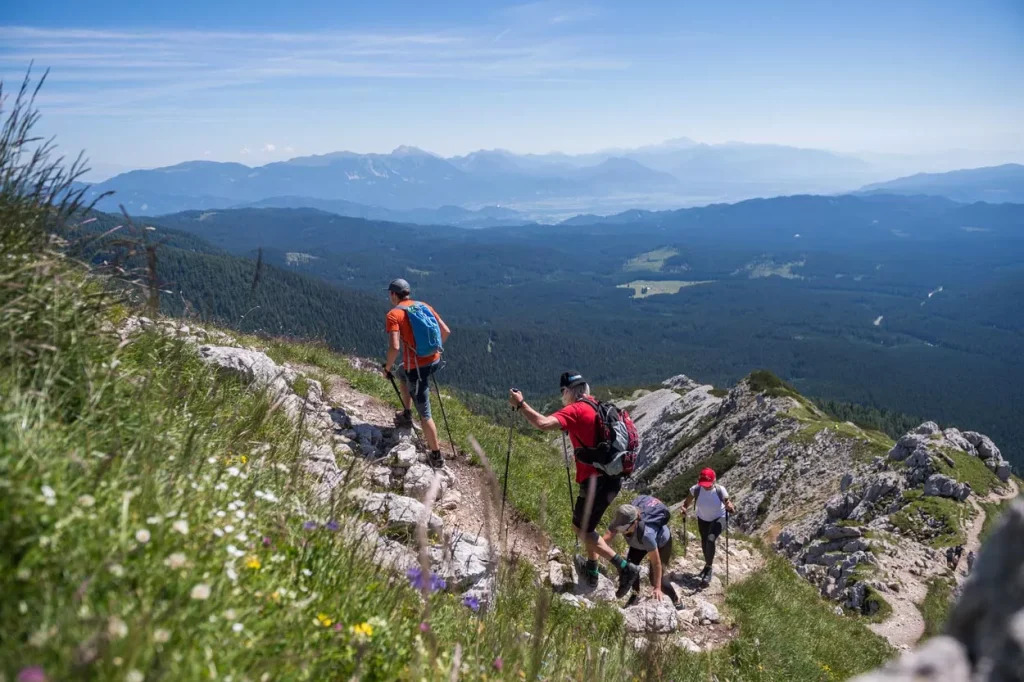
[[983, 640]]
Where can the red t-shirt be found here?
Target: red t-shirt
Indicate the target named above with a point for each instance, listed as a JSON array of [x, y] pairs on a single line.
[[579, 420]]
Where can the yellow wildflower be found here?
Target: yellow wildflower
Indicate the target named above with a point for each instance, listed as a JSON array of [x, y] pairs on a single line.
[[362, 630], [253, 562], [324, 619], [276, 596], [243, 459]]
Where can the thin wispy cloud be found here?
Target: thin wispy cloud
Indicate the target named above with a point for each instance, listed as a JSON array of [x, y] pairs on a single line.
[[94, 71]]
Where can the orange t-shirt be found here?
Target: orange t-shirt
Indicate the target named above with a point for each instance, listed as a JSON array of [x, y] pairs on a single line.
[[398, 321]]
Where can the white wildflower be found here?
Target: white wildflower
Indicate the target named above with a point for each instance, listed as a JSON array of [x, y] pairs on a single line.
[[161, 636], [38, 638], [221, 486], [176, 561], [86, 501], [201, 592], [235, 552], [22, 608], [234, 471], [142, 536], [277, 558], [134, 676], [231, 573], [229, 528], [117, 628], [230, 614], [49, 496], [237, 627], [153, 520], [117, 661], [221, 513], [116, 570], [180, 526], [242, 537], [170, 514], [233, 505], [306, 572], [218, 532], [240, 515], [211, 460]]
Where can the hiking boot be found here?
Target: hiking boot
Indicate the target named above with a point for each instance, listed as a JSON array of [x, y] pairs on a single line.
[[587, 576], [633, 600], [435, 459], [705, 576], [627, 576], [403, 419]]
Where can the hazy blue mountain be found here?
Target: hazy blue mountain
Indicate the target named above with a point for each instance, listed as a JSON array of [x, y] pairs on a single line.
[[488, 216], [992, 184]]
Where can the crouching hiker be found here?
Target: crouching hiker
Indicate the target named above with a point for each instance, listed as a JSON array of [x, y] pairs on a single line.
[[580, 417], [419, 333], [644, 524], [712, 504]]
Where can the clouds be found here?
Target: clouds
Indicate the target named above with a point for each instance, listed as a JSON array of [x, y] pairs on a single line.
[[269, 147], [94, 72]]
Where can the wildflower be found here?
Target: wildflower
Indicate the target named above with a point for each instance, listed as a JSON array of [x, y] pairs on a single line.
[[306, 572], [176, 561], [362, 630], [86, 501], [324, 619], [38, 638], [243, 459], [309, 525], [117, 628], [433, 582], [201, 592], [498, 664], [278, 558], [240, 515], [161, 636], [49, 496], [180, 526], [116, 570], [32, 674], [234, 471], [231, 573], [332, 526], [338, 627], [472, 603], [266, 541], [153, 520], [142, 536], [221, 486], [424, 627], [229, 528], [218, 532], [230, 614], [253, 562], [237, 627], [134, 676], [234, 551]]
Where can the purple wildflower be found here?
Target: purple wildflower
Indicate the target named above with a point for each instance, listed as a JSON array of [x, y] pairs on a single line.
[[499, 664], [332, 526], [472, 603], [309, 525], [419, 581], [266, 541], [32, 674], [424, 626]]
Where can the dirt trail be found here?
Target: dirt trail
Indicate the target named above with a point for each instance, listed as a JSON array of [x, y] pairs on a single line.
[[973, 543], [905, 627], [524, 539]]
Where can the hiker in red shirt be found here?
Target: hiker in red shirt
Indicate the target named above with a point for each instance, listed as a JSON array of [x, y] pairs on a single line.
[[578, 418], [416, 369]]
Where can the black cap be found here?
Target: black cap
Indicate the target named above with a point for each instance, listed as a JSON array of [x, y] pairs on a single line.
[[399, 286], [571, 380]]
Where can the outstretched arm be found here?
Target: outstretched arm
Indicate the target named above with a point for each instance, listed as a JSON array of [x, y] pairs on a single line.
[[515, 398], [656, 569], [394, 345]]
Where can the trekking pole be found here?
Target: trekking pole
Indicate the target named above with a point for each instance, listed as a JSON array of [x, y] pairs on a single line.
[[440, 402], [727, 549], [568, 481], [508, 458], [398, 393]]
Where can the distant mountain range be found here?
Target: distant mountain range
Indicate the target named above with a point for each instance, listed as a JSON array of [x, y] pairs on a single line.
[[539, 186], [994, 184]]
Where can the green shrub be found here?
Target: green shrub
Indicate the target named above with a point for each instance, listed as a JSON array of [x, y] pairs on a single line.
[[763, 381]]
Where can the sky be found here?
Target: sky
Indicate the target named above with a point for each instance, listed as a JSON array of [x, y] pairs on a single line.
[[140, 84]]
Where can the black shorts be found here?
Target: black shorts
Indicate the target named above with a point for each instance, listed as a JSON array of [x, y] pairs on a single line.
[[607, 487]]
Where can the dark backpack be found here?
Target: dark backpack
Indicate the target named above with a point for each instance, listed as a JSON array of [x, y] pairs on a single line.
[[617, 441], [653, 511], [426, 331]]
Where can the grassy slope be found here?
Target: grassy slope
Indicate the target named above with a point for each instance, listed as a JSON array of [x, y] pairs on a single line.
[[936, 605]]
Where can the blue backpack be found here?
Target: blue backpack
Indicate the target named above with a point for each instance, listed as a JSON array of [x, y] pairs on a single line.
[[653, 511], [425, 329]]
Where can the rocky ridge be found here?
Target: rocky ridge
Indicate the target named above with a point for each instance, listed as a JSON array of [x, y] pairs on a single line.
[[860, 517]]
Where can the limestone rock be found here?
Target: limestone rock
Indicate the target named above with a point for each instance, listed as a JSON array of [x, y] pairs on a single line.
[[957, 439], [651, 616], [927, 429], [940, 485], [706, 612], [420, 477], [832, 532], [561, 577], [463, 560], [941, 659], [1003, 471], [399, 512], [603, 591], [686, 644], [403, 456], [255, 369]]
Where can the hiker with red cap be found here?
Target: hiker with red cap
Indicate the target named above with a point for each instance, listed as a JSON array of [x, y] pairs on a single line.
[[713, 507], [581, 418]]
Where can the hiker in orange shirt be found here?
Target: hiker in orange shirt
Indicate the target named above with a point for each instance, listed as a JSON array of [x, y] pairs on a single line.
[[406, 322]]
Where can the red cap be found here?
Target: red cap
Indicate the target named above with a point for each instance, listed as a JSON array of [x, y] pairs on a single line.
[[707, 478]]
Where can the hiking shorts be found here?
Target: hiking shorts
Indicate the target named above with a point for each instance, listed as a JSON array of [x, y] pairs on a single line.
[[607, 487], [418, 381]]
